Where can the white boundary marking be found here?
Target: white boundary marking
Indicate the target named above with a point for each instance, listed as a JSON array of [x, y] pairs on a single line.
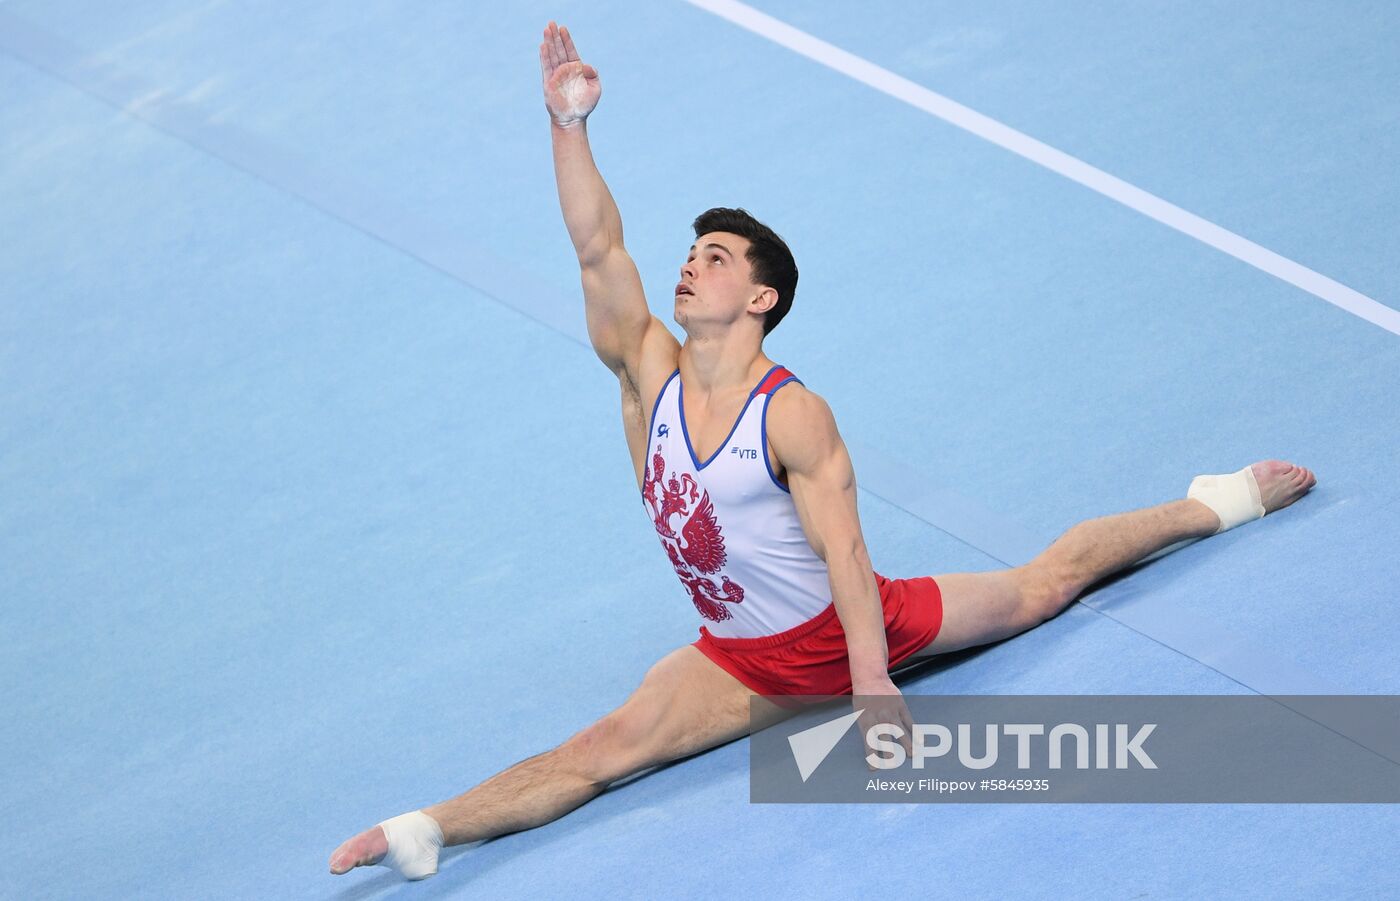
[[1023, 145]]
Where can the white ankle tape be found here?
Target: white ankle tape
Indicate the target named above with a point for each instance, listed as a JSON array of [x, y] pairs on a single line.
[[1234, 497], [414, 842]]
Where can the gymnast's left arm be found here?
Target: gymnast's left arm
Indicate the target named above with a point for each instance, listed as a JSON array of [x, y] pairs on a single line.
[[823, 485]]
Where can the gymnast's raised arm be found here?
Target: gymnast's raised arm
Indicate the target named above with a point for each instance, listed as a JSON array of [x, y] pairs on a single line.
[[614, 304]]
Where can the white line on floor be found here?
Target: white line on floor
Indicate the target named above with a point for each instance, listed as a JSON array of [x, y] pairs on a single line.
[[1023, 145]]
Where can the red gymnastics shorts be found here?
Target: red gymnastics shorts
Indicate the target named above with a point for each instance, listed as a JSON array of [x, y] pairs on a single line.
[[811, 659]]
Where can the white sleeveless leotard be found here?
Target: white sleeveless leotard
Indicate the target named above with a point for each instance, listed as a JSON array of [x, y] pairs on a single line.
[[729, 527]]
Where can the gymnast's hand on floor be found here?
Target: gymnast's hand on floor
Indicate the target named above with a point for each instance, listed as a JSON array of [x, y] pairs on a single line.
[[882, 704], [571, 88]]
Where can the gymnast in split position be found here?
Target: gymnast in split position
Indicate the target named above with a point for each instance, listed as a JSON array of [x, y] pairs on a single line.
[[753, 497]]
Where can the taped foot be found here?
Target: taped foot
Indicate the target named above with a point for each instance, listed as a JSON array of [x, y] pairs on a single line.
[[1253, 492], [409, 843]]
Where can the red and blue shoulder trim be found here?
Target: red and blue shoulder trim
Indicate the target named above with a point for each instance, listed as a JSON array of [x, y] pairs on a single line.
[[777, 377]]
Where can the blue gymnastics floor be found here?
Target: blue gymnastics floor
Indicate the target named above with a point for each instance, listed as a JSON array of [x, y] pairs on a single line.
[[315, 508]]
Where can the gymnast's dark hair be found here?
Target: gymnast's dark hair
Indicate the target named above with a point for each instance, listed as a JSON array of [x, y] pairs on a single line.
[[772, 262]]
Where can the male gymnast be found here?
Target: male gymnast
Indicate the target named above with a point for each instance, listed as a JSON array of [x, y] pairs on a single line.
[[751, 492]]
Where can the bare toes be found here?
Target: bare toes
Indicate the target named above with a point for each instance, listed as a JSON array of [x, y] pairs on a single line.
[[369, 847]]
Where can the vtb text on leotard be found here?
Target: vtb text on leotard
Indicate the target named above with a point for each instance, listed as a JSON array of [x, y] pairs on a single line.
[[729, 528]]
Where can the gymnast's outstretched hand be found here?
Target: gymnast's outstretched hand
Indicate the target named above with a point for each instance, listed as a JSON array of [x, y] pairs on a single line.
[[571, 87]]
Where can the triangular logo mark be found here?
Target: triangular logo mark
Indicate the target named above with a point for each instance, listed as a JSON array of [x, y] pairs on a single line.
[[810, 746]]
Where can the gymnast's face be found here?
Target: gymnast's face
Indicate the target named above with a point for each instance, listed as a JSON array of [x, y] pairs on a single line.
[[715, 284]]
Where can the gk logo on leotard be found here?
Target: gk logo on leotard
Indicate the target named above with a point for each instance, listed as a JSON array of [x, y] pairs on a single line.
[[745, 453], [663, 430]]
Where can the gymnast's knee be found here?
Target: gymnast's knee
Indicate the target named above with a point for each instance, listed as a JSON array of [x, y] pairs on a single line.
[[1044, 592], [620, 744]]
